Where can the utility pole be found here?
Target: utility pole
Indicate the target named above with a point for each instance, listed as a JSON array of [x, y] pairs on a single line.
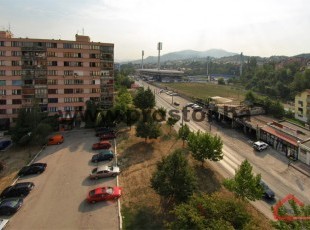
[[142, 59], [159, 48]]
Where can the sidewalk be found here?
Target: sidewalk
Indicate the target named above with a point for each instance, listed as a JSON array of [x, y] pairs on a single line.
[[301, 167]]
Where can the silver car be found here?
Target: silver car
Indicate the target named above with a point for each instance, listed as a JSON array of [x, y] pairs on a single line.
[[104, 171]]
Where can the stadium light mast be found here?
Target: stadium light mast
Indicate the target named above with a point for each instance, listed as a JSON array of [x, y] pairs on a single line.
[[142, 59], [159, 48]]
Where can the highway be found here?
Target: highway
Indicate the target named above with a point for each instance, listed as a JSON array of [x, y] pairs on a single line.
[[272, 166]]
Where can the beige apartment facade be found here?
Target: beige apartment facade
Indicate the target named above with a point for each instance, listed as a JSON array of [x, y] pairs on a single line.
[[57, 75], [302, 106]]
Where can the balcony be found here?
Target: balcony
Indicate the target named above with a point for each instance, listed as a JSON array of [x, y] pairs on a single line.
[[33, 48]]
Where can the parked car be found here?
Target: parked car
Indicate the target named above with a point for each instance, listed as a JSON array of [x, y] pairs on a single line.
[[104, 171], [10, 205], [55, 140], [101, 145], [197, 108], [104, 193], [107, 136], [260, 145], [103, 156], [189, 104], [17, 190], [3, 223], [268, 193], [4, 144], [35, 168], [176, 103]]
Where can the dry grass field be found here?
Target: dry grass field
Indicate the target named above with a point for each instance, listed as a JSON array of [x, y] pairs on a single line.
[[14, 159], [141, 206]]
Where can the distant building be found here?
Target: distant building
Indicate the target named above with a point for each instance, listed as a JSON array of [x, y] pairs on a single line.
[[161, 75], [302, 106], [56, 75]]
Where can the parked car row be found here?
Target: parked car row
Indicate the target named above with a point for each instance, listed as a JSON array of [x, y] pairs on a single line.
[[11, 198], [108, 192]]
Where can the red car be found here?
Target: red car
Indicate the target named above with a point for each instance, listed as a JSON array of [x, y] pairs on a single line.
[[104, 193], [102, 145], [107, 136]]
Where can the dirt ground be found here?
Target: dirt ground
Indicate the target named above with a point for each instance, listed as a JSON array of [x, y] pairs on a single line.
[[14, 159], [138, 160]]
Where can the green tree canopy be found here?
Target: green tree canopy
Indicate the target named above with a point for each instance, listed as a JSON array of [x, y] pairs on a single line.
[[144, 99], [245, 184], [171, 122], [205, 146], [174, 179], [210, 212], [183, 133], [148, 130]]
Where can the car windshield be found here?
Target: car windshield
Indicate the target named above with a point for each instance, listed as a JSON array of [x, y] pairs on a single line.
[[10, 203], [94, 170], [92, 193]]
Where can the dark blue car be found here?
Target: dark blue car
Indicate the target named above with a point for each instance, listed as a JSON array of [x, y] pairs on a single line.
[[10, 206], [4, 144]]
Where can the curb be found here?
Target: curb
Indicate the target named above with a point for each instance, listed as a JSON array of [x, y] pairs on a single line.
[[300, 170], [14, 182], [117, 184]]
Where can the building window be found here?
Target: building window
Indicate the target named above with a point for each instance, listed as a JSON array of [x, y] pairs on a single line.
[[16, 91], [16, 44], [53, 100], [2, 92], [52, 109], [52, 72], [95, 47], [52, 63], [52, 82], [72, 46], [16, 53], [2, 53], [95, 90], [78, 90], [1, 43], [68, 72], [2, 102], [15, 110], [17, 82], [94, 55], [2, 63], [52, 91], [2, 111], [16, 72], [94, 64], [68, 91], [2, 82], [15, 63], [16, 101], [75, 64], [51, 45], [96, 99], [2, 72], [51, 54], [69, 108], [74, 82]]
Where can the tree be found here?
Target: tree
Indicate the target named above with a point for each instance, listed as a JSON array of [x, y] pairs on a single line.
[[221, 81], [148, 130], [162, 112], [90, 114], [205, 146], [250, 97], [210, 212], [41, 133], [183, 133], [171, 122], [245, 184], [144, 99], [174, 179]]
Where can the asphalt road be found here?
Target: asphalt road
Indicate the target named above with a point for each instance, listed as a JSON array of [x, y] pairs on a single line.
[[237, 147], [58, 199]]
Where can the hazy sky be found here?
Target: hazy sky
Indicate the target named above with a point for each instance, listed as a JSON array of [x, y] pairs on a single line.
[[260, 27]]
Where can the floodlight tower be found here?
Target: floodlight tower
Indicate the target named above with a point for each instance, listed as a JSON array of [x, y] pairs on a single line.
[[142, 59], [241, 63], [159, 48]]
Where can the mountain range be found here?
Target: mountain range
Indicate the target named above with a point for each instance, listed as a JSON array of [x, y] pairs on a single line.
[[187, 54]]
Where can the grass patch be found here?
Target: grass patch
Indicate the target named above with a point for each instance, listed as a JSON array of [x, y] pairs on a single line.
[[205, 90]]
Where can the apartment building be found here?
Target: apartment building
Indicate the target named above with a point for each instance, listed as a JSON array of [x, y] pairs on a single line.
[[57, 75], [302, 106]]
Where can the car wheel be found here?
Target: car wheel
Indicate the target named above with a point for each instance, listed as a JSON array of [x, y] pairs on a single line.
[[93, 202], [114, 175]]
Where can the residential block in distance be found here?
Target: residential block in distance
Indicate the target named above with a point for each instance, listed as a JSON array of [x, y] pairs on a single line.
[[56, 75]]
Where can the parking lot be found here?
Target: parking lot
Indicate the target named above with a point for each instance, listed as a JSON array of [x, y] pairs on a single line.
[[58, 199]]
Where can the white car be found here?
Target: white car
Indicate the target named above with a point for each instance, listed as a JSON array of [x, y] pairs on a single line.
[[104, 171], [260, 145], [3, 223]]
